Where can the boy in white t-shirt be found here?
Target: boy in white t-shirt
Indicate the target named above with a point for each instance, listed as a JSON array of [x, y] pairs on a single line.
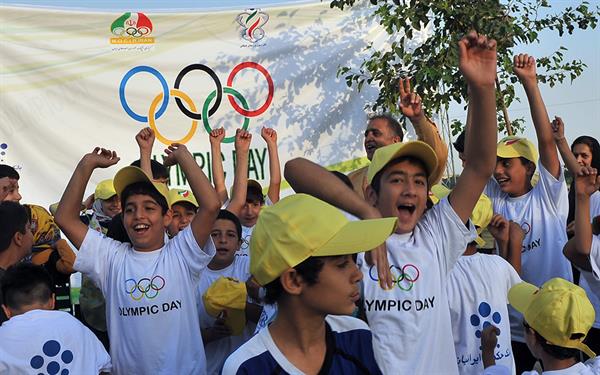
[[149, 285], [219, 341], [301, 252], [557, 318], [36, 338], [411, 321]]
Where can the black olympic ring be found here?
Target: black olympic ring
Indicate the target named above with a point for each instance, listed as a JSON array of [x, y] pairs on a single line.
[[144, 286], [213, 75]]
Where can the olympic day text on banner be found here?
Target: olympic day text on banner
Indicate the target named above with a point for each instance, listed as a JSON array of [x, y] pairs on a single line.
[[71, 81]]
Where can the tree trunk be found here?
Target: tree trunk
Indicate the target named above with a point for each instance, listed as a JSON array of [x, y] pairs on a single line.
[[504, 109]]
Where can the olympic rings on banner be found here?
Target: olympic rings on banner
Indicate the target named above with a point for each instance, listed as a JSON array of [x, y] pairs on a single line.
[[409, 273], [190, 110], [145, 287]]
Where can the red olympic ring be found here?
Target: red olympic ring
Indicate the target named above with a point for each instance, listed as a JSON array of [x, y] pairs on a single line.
[[260, 68]]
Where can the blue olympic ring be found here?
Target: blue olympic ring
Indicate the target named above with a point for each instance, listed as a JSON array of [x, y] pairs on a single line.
[[163, 82]]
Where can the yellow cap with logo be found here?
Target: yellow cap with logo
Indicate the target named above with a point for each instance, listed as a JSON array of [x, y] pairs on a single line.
[[417, 149], [105, 190], [130, 174], [559, 311], [181, 195], [226, 297], [300, 226], [517, 147]]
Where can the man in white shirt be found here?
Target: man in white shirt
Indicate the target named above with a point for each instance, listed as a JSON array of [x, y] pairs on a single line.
[[38, 338]]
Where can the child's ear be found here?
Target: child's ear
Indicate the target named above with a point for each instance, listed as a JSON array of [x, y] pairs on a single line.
[[292, 282], [371, 196], [18, 238]]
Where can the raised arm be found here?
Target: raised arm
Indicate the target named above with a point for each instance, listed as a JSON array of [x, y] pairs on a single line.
[[477, 63], [524, 68], [145, 140], [208, 201], [67, 213], [558, 133], [216, 137], [411, 107], [270, 136], [240, 179], [515, 246]]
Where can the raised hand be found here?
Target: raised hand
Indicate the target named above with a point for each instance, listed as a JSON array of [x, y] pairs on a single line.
[[243, 139], [587, 181], [101, 158], [477, 59], [269, 135], [175, 153], [145, 139], [410, 102], [216, 136], [524, 67], [517, 233], [499, 228], [558, 129]]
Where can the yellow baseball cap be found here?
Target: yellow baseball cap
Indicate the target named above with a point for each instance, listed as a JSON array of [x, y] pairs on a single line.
[[516, 147], [557, 311], [438, 192], [417, 149], [130, 174], [300, 226], [181, 195], [227, 296], [105, 190]]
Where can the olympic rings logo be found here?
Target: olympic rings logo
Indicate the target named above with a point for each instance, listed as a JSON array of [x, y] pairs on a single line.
[[209, 107], [403, 277], [146, 287]]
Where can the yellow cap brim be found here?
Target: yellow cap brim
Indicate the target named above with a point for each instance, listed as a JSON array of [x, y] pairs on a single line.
[[479, 241], [358, 236], [520, 296], [175, 197], [419, 150], [130, 175]]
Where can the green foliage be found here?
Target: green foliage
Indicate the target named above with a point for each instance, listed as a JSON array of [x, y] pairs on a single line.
[[434, 63]]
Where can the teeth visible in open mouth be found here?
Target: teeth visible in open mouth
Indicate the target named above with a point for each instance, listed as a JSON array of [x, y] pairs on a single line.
[[141, 226]]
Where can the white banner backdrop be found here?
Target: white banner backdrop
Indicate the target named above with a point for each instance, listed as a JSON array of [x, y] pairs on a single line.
[[70, 81]]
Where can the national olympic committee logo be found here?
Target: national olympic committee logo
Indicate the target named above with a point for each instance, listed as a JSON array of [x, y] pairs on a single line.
[[208, 108], [251, 22], [403, 277], [132, 28], [145, 287]]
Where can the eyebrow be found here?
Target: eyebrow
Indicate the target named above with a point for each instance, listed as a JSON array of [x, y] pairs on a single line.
[[403, 173]]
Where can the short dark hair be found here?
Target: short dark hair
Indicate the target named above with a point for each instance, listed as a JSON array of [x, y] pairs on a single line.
[[392, 123], [144, 188], [13, 218], [309, 270], [159, 171], [344, 178], [253, 194], [8, 171], [459, 144], [26, 284], [228, 215], [558, 352], [186, 205], [376, 182]]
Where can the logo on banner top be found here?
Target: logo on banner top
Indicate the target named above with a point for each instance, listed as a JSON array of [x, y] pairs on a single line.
[[192, 113], [251, 22], [132, 28]]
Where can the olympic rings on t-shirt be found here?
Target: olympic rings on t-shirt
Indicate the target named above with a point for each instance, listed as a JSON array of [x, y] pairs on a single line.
[[409, 273], [208, 109], [145, 287]]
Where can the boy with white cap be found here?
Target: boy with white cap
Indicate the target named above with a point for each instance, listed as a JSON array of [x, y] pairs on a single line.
[[301, 252]]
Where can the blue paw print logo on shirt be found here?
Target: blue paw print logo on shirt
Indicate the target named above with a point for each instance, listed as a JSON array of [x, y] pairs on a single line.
[[54, 361], [484, 314]]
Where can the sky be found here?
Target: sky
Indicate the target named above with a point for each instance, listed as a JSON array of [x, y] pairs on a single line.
[[578, 103]]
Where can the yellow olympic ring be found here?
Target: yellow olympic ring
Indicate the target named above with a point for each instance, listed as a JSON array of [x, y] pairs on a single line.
[[152, 121]]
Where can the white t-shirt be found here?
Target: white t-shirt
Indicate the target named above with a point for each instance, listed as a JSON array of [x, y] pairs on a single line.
[[49, 341], [218, 351], [594, 205], [589, 367], [411, 322], [151, 310], [477, 295], [542, 213], [247, 234], [587, 280]]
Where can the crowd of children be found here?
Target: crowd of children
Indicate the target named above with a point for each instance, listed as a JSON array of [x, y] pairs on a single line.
[[378, 273]]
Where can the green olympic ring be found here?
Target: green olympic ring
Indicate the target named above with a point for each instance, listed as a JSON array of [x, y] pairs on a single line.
[[226, 90]]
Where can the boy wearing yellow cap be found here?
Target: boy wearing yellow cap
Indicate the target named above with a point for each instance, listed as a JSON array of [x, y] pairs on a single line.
[[300, 252], [410, 319], [541, 210], [556, 318], [149, 285], [184, 207]]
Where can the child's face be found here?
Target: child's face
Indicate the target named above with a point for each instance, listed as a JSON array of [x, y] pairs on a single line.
[[144, 222], [511, 175], [111, 206], [583, 154], [402, 194], [224, 235], [337, 288], [183, 215], [249, 214], [9, 190]]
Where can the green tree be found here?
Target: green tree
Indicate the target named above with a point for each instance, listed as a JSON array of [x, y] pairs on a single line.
[[434, 63]]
